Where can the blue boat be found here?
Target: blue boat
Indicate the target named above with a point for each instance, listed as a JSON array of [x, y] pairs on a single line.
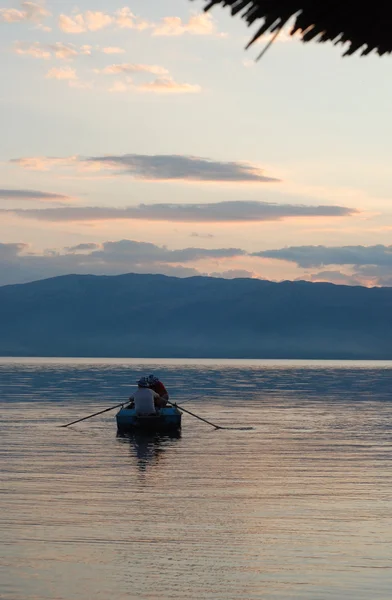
[[165, 419]]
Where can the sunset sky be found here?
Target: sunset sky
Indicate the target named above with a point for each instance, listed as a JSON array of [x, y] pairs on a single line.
[[143, 137]]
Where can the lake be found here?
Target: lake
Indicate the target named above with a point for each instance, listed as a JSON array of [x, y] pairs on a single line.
[[297, 507]]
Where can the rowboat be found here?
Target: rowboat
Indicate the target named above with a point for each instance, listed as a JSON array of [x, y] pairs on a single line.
[[165, 419]]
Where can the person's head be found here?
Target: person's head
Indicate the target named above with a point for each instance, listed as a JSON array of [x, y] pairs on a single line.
[[143, 383], [152, 380]]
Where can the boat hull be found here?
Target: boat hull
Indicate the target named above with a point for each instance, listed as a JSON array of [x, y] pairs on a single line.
[[166, 419]]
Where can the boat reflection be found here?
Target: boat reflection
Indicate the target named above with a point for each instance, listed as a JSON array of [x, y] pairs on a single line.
[[149, 448]]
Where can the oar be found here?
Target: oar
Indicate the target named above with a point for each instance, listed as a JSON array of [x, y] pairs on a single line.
[[94, 415], [205, 420]]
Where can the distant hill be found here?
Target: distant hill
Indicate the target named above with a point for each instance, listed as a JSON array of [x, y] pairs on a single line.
[[157, 316]]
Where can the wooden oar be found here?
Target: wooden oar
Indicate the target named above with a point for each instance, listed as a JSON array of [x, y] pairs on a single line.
[[205, 420], [94, 415]]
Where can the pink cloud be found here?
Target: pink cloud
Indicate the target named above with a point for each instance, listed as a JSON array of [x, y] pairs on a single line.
[[46, 51], [42, 163], [67, 74], [337, 277], [75, 24], [167, 85], [113, 50], [125, 19], [132, 68], [64, 51], [12, 15], [202, 24], [30, 11], [61, 73], [35, 50], [235, 274], [81, 22], [97, 20]]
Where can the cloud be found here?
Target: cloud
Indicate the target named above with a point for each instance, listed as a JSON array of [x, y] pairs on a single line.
[[167, 85], [30, 11], [234, 274], [36, 50], [67, 51], [112, 50], [97, 20], [12, 15], [121, 68], [157, 167], [147, 252], [82, 247], [202, 24], [8, 194], [161, 85], [219, 212], [366, 275], [125, 19], [11, 250], [336, 277], [362, 265], [319, 256], [64, 74], [42, 163], [61, 73], [19, 264], [81, 22], [375, 275], [47, 51], [64, 51], [179, 167], [43, 28], [35, 11], [85, 49]]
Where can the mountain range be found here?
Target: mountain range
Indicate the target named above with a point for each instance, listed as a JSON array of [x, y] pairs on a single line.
[[137, 315]]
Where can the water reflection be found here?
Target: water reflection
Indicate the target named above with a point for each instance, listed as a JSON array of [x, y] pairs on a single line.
[[298, 508], [109, 382], [149, 448]]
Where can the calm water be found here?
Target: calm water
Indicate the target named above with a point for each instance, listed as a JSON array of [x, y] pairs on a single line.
[[299, 507]]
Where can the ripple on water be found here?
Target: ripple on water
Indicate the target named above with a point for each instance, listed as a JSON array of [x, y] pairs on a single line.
[[298, 507]]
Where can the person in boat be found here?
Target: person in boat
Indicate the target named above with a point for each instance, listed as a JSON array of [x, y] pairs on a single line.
[[144, 400], [157, 386]]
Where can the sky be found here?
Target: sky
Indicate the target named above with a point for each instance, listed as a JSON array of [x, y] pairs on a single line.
[[143, 137]]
